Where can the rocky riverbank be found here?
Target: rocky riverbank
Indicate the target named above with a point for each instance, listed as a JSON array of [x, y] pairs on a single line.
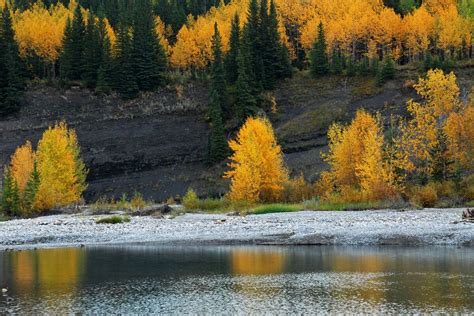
[[384, 227]]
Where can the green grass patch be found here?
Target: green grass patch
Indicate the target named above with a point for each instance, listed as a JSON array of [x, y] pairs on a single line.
[[316, 205], [114, 220], [276, 208], [470, 204], [105, 206], [3, 218]]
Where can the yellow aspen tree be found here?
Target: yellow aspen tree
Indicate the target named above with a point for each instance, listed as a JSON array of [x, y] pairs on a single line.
[[356, 159], [460, 131], [61, 170], [258, 172], [22, 164]]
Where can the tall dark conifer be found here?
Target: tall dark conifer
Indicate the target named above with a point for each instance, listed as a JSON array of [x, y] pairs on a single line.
[[149, 59], [105, 80], [246, 100], [231, 64], [124, 72], [319, 57], [92, 55], [73, 47], [12, 81], [251, 48], [217, 143]]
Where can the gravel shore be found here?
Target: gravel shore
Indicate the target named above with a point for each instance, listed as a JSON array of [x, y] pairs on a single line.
[[384, 227]]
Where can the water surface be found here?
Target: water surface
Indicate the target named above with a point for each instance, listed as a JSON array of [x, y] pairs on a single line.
[[222, 280]]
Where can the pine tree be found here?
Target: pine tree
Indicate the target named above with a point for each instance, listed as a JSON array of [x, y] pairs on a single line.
[[73, 47], [319, 57], [29, 194], [274, 54], [217, 142], [336, 62], [251, 45], [149, 59], [92, 55], [351, 68], [124, 67], [246, 102], [105, 73], [231, 64], [10, 195], [12, 81], [386, 71]]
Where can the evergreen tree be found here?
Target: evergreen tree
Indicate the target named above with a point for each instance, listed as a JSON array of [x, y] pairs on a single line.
[[10, 195], [105, 73], [218, 149], [246, 102], [336, 62], [126, 83], [12, 81], [231, 64], [31, 188], [319, 57], [92, 51], [251, 45], [73, 47], [363, 67], [149, 58], [386, 71], [351, 68]]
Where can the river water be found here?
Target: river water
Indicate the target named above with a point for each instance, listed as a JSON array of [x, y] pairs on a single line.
[[238, 279]]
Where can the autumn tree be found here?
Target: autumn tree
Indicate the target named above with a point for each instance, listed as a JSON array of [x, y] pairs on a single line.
[[257, 169], [60, 168], [217, 140], [359, 170], [319, 58]]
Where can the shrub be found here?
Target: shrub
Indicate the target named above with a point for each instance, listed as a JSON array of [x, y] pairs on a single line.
[[424, 196], [138, 202], [297, 190], [191, 200], [114, 220], [276, 208]]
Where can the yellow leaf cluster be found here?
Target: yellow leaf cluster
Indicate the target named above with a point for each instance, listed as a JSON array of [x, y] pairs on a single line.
[[60, 169], [21, 165], [460, 131], [357, 160], [257, 169], [39, 30]]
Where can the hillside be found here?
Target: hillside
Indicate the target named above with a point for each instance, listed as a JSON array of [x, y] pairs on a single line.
[[157, 143]]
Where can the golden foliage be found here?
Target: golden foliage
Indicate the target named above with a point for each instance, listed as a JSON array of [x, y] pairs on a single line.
[[257, 169], [62, 172], [357, 160], [460, 131], [22, 164], [39, 30]]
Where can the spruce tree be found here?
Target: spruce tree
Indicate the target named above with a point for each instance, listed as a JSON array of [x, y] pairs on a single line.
[[319, 58], [10, 195], [386, 71], [231, 64], [336, 62], [124, 71], [251, 45], [92, 55], [31, 188], [218, 149], [246, 102], [12, 82], [105, 73], [149, 59], [351, 68], [73, 47]]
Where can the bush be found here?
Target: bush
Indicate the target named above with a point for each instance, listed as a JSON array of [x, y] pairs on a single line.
[[276, 208], [138, 202], [114, 220], [297, 190], [423, 196], [191, 200]]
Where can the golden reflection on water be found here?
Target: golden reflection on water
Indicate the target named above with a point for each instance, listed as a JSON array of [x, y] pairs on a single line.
[[257, 262], [47, 271]]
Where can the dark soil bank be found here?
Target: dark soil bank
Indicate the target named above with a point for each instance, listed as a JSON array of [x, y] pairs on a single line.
[[156, 144]]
